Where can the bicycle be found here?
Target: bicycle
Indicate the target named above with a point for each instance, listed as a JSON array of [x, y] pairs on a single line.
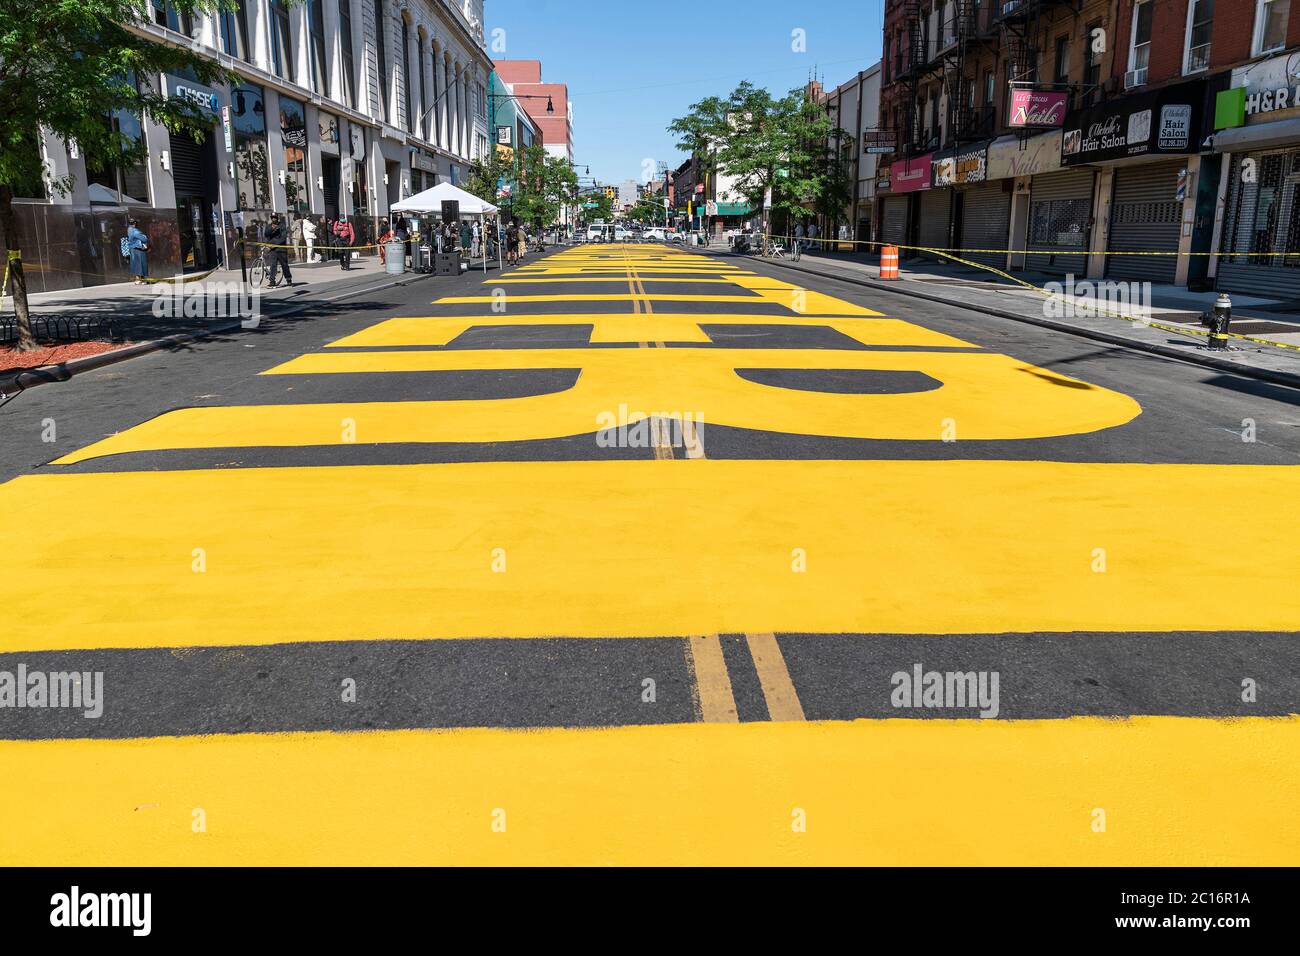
[[260, 268]]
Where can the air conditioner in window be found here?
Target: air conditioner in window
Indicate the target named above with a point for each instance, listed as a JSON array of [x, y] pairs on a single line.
[[1135, 78]]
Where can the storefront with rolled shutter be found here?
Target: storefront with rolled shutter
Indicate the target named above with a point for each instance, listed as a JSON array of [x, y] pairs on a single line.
[[1260, 241], [893, 219], [934, 221], [1145, 215], [1060, 218], [986, 222]]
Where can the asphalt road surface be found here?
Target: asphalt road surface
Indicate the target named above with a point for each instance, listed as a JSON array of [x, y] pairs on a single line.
[[769, 573]]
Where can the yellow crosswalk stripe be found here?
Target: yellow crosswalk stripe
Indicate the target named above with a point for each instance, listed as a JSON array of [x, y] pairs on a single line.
[[1174, 791], [934, 547]]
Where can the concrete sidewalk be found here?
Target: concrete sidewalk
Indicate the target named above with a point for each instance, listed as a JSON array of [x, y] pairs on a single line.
[[985, 291], [129, 309]]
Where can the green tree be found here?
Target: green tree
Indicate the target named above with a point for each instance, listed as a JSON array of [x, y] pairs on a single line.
[[485, 175], [649, 208], [66, 67], [602, 211], [764, 142], [546, 184]]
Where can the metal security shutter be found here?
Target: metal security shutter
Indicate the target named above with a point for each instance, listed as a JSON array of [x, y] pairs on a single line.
[[893, 226], [1262, 217], [986, 223], [1144, 217], [1060, 205], [932, 230], [187, 165]]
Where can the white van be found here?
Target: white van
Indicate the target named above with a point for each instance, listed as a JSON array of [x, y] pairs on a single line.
[[595, 232]]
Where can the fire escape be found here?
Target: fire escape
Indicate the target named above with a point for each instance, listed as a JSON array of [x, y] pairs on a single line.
[[943, 41], [917, 135], [1021, 23]]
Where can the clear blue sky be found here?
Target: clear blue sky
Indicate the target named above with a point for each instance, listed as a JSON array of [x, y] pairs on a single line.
[[632, 67]]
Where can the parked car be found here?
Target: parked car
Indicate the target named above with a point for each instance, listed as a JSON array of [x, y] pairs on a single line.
[[653, 234]]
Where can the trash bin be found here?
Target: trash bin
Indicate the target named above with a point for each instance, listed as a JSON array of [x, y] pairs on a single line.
[[395, 257]]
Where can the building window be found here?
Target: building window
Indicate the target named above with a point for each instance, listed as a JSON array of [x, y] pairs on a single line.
[[316, 25], [345, 35], [406, 78], [1140, 50], [248, 122], [1200, 16], [166, 15], [1091, 64], [234, 32], [424, 88], [1270, 25], [482, 101], [1062, 76], [293, 131], [281, 49], [435, 129], [119, 183], [990, 88], [381, 48]]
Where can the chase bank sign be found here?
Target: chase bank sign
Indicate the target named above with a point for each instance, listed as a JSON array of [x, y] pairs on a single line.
[[193, 93]]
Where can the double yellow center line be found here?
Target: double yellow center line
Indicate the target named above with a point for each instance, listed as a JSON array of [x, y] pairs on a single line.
[[715, 699]]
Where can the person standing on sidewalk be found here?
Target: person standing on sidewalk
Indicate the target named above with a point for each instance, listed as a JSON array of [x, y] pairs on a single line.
[[812, 235], [298, 238], [344, 237], [309, 237], [137, 244], [276, 241]]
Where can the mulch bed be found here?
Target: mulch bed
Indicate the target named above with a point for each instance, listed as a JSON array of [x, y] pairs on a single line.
[[11, 359]]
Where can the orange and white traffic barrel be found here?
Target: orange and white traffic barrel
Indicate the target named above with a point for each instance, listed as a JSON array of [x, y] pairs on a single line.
[[889, 262]]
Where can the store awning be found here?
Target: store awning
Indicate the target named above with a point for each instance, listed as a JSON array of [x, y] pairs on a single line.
[[1260, 136], [734, 209]]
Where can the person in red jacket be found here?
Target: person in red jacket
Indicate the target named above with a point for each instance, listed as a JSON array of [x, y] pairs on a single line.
[[345, 238]]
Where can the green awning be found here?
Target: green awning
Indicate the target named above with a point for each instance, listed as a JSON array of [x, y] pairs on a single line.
[[734, 209]]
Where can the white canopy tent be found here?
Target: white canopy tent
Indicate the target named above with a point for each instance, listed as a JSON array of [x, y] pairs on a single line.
[[430, 202]]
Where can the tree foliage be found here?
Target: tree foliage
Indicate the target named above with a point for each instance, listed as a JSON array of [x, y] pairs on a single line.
[[786, 144], [603, 211], [540, 184], [66, 66]]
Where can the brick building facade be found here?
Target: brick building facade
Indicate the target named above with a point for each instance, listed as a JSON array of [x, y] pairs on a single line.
[[1063, 137]]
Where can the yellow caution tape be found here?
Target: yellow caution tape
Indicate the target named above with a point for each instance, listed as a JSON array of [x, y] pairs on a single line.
[[318, 244], [827, 241], [197, 277], [1096, 310]]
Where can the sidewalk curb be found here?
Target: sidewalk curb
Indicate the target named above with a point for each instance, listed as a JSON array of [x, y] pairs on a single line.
[[46, 374], [1288, 379]]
